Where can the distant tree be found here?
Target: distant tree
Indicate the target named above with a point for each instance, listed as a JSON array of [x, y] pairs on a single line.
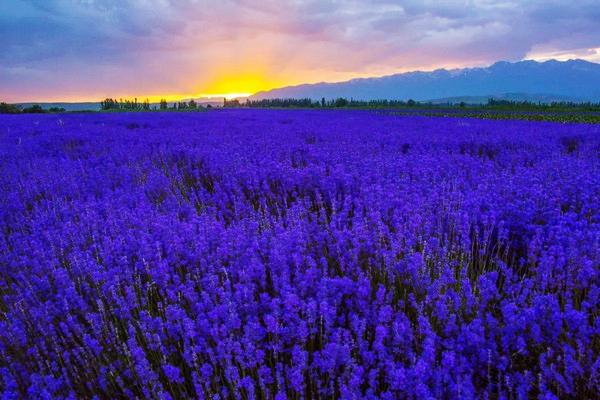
[[340, 102], [231, 103], [34, 109], [9, 109], [163, 104], [323, 102], [110, 104], [129, 105], [192, 105], [279, 103], [56, 109]]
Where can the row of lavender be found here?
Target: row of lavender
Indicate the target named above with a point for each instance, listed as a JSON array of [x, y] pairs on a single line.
[[298, 254]]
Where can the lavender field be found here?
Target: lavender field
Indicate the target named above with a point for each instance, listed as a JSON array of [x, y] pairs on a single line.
[[269, 254]]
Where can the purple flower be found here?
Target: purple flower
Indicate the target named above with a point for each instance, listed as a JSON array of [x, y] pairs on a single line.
[[173, 373], [222, 254]]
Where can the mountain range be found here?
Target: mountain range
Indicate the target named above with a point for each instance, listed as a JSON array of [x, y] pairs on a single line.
[[572, 80]]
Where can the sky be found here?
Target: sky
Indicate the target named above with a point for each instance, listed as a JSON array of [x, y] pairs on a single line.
[[78, 50]]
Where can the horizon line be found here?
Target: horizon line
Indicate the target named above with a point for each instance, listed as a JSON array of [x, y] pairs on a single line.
[[244, 95]]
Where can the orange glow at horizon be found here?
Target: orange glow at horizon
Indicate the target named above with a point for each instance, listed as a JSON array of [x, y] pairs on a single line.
[[233, 82], [232, 86], [228, 86]]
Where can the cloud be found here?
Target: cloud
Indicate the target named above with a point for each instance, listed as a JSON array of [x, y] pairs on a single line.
[[87, 48]]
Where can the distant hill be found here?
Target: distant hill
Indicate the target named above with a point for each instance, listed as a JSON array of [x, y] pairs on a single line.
[[573, 80]]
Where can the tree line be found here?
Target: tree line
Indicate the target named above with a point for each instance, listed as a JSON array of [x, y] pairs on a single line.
[[323, 103], [110, 104], [128, 105], [6, 108], [342, 102]]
